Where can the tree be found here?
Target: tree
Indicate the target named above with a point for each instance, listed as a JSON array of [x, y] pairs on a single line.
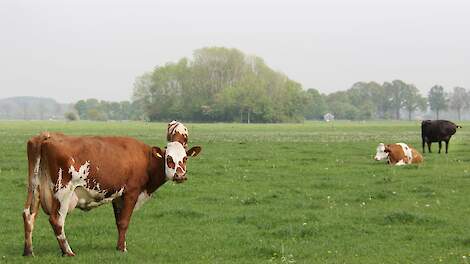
[[459, 100], [395, 92], [219, 84], [315, 106], [437, 99], [413, 100], [71, 116]]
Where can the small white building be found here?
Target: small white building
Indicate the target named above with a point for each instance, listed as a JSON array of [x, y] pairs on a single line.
[[328, 117]]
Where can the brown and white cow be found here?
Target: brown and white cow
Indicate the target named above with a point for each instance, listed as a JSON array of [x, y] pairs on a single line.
[[87, 171], [177, 132], [398, 154]]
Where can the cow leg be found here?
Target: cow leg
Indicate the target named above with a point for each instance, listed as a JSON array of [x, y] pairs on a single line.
[[117, 207], [57, 221], [440, 146], [123, 208], [423, 144], [447, 146], [30, 212], [429, 146]]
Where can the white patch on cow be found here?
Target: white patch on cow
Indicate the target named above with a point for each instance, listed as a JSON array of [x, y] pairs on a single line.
[[65, 193], [35, 178], [380, 152], [143, 197], [78, 193], [401, 162], [407, 151], [177, 152], [61, 236], [176, 126], [58, 185], [27, 215]]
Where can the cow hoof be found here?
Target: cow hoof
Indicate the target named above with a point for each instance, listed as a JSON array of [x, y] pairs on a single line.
[[69, 254], [28, 251], [123, 250]]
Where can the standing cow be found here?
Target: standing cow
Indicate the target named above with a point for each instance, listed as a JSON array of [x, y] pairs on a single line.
[[68, 171], [437, 131]]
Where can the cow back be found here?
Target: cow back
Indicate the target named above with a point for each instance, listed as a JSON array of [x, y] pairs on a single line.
[[114, 162]]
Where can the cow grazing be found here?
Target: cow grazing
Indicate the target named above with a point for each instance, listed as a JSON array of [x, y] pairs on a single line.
[[177, 132], [437, 131], [398, 154], [68, 171]]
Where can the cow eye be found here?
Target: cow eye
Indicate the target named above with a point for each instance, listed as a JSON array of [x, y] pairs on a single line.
[[170, 162]]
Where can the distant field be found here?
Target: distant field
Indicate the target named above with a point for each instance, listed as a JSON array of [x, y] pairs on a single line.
[[281, 193]]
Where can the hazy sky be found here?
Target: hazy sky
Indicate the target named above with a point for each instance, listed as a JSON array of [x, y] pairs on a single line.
[[71, 50]]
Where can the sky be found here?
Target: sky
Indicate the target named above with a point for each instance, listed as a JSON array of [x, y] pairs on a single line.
[[78, 49]]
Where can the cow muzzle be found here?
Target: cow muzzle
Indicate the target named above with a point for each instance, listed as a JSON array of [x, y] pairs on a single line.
[[179, 178]]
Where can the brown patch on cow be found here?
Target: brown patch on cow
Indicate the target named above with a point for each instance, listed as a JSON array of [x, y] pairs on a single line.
[[183, 139], [170, 163], [395, 153], [417, 157]]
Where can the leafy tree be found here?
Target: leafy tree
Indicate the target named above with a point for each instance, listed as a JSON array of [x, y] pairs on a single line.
[[315, 105], [71, 116], [340, 105], [437, 99], [219, 84], [413, 100], [459, 100], [395, 92]]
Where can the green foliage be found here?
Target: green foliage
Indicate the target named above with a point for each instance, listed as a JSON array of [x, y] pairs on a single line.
[[437, 99], [93, 109], [315, 105], [309, 193], [412, 100], [219, 84], [71, 116]]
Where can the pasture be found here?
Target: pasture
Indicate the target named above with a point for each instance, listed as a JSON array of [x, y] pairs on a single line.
[[276, 193]]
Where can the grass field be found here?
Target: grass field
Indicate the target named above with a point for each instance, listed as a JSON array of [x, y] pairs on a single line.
[[287, 193]]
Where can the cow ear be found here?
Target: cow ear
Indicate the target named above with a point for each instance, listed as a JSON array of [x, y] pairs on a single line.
[[194, 151], [157, 152]]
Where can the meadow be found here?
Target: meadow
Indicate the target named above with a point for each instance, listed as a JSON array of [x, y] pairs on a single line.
[[264, 193]]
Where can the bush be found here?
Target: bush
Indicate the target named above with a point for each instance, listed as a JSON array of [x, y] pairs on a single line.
[[71, 116]]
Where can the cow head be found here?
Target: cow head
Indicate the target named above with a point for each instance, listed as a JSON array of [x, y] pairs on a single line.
[[382, 152], [177, 132], [175, 157]]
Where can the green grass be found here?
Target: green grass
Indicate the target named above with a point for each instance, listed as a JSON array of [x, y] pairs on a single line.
[[280, 193]]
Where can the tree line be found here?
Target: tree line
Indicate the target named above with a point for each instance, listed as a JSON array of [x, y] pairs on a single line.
[[94, 109], [225, 85]]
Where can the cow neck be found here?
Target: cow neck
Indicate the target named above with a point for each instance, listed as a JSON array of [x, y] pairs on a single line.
[[156, 173]]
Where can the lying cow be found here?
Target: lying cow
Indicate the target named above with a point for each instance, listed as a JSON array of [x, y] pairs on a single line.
[[68, 171], [398, 154], [437, 131]]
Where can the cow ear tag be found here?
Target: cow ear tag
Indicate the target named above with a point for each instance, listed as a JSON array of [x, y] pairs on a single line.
[[156, 151]]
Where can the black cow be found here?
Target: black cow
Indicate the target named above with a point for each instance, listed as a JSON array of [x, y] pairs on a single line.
[[437, 131]]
